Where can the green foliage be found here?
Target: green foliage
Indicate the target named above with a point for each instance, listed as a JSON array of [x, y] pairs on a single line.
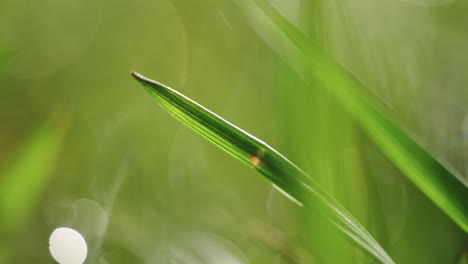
[[160, 187]]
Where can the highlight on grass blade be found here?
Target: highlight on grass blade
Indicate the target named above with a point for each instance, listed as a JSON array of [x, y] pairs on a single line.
[[268, 162]]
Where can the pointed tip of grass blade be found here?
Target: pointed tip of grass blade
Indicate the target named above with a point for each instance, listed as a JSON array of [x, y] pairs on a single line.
[[142, 78], [146, 80], [150, 84], [136, 75]]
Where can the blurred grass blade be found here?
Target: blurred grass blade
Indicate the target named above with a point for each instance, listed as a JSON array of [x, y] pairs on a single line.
[[265, 160], [464, 258], [443, 186], [24, 181]]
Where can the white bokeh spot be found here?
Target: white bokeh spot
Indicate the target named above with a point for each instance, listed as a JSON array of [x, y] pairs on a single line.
[[67, 246]]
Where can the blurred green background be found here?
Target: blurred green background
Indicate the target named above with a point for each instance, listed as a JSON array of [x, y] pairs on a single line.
[[141, 188]]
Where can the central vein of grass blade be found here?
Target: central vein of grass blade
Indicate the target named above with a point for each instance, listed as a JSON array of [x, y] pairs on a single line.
[[265, 160]]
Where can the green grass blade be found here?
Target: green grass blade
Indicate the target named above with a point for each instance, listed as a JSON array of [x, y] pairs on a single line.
[[265, 160], [443, 186]]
